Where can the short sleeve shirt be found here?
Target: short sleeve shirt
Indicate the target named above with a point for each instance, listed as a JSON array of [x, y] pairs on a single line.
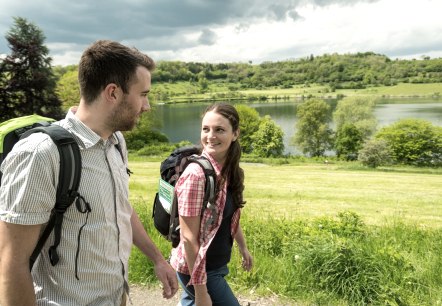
[[27, 195], [190, 193]]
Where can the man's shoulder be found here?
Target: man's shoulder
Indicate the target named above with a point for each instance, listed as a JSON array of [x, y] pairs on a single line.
[[36, 144]]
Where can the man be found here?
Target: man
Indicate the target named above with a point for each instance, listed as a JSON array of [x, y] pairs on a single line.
[[95, 246]]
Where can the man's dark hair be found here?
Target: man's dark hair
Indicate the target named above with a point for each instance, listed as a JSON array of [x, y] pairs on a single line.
[[106, 62]]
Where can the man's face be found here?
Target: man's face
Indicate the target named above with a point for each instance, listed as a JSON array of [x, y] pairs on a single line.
[[130, 107]]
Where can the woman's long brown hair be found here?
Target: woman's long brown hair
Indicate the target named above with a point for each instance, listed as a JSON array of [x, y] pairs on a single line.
[[231, 171]]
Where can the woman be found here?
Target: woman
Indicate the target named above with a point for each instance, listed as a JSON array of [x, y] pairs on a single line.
[[205, 248]]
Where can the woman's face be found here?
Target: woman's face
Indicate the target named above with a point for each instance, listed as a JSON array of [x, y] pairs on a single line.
[[217, 135]]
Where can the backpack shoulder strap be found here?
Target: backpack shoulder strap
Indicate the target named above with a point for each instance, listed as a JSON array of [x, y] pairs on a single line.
[[120, 150], [209, 172], [210, 188], [67, 189]]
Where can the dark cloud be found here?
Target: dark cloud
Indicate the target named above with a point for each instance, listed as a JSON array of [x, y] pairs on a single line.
[[207, 37], [154, 25]]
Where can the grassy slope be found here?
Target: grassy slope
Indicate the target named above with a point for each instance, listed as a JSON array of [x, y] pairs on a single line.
[[184, 91]]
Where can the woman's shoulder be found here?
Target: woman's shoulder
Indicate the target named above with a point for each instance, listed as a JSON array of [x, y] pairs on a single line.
[[193, 169]]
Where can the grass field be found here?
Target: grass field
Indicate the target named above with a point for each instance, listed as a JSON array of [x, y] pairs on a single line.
[[326, 234], [312, 190], [185, 91]]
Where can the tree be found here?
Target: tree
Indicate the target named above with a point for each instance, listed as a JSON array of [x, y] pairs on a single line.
[[348, 141], [414, 142], [313, 135], [355, 123], [358, 111], [28, 84], [68, 89], [268, 140], [249, 123]]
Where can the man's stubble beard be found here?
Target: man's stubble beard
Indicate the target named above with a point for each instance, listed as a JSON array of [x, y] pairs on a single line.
[[121, 118]]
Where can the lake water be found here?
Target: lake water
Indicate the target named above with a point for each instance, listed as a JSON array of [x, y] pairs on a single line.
[[182, 121]]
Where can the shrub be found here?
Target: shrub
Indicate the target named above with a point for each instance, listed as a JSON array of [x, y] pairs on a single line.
[[375, 153], [414, 142]]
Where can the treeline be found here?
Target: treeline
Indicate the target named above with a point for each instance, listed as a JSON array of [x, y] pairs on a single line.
[[355, 71]]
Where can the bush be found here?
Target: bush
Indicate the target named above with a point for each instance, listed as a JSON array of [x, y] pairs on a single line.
[[161, 149], [375, 153], [414, 142], [136, 140]]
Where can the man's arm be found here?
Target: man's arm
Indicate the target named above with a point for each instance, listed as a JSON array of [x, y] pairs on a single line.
[[16, 245], [163, 270]]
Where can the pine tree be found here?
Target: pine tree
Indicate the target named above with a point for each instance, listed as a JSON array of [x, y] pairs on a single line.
[[26, 79]]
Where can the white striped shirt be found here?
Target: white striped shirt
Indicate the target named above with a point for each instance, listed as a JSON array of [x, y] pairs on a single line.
[[27, 195]]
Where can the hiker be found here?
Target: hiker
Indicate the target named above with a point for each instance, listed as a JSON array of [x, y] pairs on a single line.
[[95, 244], [205, 248]]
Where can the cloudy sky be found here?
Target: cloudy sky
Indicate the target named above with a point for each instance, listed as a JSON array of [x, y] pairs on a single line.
[[234, 30]]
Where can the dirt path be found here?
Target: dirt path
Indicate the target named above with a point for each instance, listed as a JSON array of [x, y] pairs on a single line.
[[149, 296]]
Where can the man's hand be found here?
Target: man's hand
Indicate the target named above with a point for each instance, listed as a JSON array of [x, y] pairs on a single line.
[[167, 276]]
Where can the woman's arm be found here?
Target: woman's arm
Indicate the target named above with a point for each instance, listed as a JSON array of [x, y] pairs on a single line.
[[247, 260], [190, 228]]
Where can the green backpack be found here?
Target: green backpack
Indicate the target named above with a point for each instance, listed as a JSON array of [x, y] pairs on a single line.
[[15, 129]]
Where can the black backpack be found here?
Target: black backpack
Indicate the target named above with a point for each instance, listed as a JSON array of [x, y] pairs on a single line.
[[165, 206], [15, 129]]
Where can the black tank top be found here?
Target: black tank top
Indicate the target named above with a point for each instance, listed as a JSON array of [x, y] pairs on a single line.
[[220, 250]]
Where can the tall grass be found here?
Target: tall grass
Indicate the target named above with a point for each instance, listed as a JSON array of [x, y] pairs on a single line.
[[326, 235]]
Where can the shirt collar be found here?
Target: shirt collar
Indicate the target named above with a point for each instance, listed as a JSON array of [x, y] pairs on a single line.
[[215, 164], [86, 138]]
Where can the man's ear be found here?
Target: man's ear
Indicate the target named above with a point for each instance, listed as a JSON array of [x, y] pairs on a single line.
[[111, 92]]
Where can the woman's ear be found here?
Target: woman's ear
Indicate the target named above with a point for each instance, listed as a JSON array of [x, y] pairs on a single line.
[[235, 135]]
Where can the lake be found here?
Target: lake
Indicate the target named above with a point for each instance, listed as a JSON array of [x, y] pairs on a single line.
[[183, 121]]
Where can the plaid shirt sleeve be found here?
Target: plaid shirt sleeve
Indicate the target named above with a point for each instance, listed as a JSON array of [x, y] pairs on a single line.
[[190, 192]]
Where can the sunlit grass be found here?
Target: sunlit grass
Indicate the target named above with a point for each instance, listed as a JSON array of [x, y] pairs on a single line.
[[326, 234], [293, 191], [185, 91]]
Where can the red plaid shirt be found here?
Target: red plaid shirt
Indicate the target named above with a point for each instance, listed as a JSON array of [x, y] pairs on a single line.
[[190, 193]]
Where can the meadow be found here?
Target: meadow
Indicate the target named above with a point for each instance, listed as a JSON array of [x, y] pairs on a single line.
[[186, 91], [327, 233]]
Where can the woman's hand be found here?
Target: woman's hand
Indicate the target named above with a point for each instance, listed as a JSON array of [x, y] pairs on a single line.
[[247, 259], [202, 297]]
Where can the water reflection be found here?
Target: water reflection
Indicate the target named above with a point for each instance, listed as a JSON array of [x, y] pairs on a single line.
[[182, 121]]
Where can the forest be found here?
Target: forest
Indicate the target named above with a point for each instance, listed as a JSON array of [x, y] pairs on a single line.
[[353, 71]]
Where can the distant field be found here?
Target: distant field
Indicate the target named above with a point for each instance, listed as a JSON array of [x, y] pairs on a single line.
[[406, 90], [312, 190], [184, 91]]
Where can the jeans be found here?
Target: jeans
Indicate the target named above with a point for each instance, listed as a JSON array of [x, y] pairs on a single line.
[[217, 287]]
